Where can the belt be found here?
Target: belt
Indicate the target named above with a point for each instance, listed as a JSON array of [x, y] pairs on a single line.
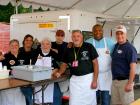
[[120, 78], [81, 74]]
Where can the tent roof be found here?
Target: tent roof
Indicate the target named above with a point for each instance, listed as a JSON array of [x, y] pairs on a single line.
[[120, 8]]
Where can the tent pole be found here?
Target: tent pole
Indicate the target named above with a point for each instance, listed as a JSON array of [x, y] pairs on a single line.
[[134, 2], [16, 7], [135, 35], [77, 2], [112, 6]]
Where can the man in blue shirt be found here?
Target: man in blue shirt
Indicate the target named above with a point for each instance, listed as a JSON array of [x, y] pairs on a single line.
[[104, 47], [124, 58]]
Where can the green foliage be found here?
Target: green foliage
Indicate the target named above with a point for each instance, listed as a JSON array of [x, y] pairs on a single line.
[[21, 9], [7, 10], [38, 10]]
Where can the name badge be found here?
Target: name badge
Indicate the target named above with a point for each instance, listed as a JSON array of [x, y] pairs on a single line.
[[75, 63]]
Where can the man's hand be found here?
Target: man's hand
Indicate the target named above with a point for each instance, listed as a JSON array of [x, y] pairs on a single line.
[[129, 87], [70, 45], [55, 73], [55, 50], [58, 72], [95, 75], [94, 84], [39, 57]]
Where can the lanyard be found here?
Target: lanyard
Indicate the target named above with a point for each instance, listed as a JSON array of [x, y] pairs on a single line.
[[76, 54]]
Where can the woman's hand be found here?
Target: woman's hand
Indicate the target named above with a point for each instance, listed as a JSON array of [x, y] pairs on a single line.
[[1, 56]]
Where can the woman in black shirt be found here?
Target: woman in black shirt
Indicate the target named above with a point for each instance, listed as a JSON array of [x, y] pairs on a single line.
[[12, 96], [12, 57], [27, 53]]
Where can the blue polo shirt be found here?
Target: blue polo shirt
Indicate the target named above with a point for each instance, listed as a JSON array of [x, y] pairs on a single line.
[[123, 55], [101, 44]]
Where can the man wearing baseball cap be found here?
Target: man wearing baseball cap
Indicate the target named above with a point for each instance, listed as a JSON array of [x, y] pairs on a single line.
[[124, 58]]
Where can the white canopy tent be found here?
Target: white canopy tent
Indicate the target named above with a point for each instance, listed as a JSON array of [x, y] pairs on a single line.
[[126, 11], [119, 8]]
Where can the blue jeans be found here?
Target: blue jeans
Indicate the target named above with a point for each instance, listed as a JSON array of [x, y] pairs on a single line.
[[27, 92], [57, 95], [103, 97]]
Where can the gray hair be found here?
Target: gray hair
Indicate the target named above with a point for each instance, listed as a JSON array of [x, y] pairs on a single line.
[[79, 31], [46, 39], [14, 40]]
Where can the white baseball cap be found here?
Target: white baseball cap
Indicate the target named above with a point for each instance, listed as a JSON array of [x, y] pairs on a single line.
[[121, 28]]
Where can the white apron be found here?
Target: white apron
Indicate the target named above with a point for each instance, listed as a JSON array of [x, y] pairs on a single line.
[[80, 90], [12, 97], [48, 93], [104, 61]]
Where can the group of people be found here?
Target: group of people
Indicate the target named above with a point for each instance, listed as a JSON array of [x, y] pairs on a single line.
[[101, 69], [23, 56]]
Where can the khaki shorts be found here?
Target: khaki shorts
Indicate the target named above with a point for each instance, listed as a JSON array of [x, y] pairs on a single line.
[[119, 96]]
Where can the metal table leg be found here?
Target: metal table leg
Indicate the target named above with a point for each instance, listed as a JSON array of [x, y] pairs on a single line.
[[33, 89], [43, 94]]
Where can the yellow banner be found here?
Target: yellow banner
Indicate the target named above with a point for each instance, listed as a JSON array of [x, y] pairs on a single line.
[[46, 25]]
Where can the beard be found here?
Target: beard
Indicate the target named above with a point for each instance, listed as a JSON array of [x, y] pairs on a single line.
[[45, 50]]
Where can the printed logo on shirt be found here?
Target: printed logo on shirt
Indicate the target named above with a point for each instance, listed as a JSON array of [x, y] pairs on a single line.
[[11, 62], [119, 51], [84, 55]]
